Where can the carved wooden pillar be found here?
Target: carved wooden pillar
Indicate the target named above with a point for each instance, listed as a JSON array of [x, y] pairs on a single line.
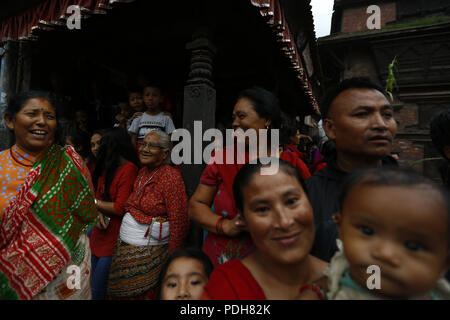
[[199, 105], [8, 78], [199, 101]]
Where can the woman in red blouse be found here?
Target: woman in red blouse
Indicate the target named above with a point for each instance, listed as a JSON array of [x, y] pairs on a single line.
[[212, 205], [155, 225], [115, 171]]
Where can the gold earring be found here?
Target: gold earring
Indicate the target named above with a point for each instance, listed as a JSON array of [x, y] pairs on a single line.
[[335, 218], [267, 127]]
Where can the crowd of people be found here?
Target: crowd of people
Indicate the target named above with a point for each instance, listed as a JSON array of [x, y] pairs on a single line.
[[109, 206]]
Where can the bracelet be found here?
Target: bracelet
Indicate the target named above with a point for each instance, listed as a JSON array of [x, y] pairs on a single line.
[[219, 228], [318, 290], [221, 224]]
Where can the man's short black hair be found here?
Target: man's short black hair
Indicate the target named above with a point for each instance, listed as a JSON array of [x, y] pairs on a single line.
[[352, 83], [440, 130], [288, 128]]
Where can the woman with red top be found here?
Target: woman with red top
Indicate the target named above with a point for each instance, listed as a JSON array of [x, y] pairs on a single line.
[[290, 140], [255, 109], [95, 140], [279, 218], [155, 225], [115, 171]]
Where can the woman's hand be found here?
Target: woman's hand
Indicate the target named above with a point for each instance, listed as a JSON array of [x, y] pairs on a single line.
[[101, 223], [120, 117], [137, 114], [233, 227], [304, 136]]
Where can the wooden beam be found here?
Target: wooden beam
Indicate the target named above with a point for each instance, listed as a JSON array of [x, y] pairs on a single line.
[[8, 74]]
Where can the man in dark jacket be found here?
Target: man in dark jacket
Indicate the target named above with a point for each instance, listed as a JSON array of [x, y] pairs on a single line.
[[440, 135], [358, 118]]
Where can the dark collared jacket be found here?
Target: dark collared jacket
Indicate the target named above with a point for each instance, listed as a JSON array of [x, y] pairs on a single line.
[[323, 193]]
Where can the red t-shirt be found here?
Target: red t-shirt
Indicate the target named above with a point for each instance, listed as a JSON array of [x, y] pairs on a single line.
[[220, 248], [232, 281], [102, 242]]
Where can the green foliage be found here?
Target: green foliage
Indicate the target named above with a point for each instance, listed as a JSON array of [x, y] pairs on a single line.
[[391, 83], [420, 22]]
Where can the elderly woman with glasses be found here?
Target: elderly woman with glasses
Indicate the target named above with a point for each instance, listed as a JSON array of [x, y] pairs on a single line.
[[155, 224]]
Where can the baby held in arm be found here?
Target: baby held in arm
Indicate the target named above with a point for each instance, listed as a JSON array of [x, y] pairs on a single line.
[[394, 237]]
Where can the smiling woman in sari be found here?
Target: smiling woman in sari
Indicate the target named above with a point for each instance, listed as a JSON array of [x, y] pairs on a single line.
[[46, 204], [276, 210]]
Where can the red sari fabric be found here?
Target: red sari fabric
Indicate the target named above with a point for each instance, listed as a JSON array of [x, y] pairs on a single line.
[[102, 242], [232, 281], [297, 163], [292, 148], [42, 226], [320, 166]]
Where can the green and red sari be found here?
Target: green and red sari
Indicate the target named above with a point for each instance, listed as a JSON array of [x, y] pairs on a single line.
[[42, 226]]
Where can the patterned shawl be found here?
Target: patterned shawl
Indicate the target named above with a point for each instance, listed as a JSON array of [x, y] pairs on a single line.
[[40, 229]]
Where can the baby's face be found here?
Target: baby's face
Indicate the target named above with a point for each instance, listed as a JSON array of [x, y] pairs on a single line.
[[403, 230]]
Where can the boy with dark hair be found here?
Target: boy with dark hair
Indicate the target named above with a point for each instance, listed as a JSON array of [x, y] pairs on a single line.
[[136, 104], [152, 119]]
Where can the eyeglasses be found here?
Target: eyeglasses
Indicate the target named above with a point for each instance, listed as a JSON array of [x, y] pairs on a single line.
[[149, 145]]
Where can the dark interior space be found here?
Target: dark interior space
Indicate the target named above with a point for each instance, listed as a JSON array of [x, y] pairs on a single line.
[[147, 39]]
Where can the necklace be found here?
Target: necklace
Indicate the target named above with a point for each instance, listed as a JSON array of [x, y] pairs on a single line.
[[140, 185], [148, 180], [17, 160]]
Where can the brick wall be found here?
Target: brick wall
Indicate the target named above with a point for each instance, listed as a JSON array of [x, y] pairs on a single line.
[[407, 117], [355, 19], [409, 152], [359, 63]]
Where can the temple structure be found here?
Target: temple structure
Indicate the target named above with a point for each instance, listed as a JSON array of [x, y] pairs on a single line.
[[203, 52], [414, 34]]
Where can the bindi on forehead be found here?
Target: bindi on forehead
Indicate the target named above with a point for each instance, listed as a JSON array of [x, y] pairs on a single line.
[[151, 136], [38, 104]]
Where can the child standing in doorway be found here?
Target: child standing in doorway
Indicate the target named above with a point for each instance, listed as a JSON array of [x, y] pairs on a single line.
[[136, 103], [153, 118]]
